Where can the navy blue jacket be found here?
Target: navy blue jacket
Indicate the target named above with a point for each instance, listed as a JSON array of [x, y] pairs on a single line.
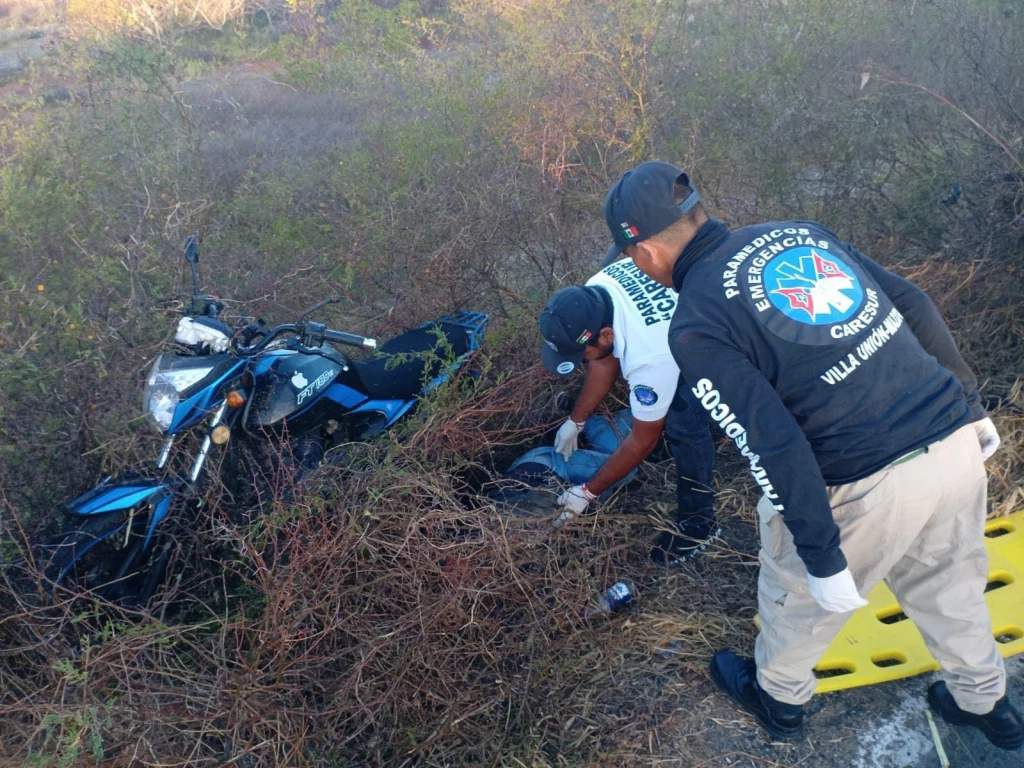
[[822, 366]]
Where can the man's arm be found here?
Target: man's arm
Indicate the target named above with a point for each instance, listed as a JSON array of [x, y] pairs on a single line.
[[931, 330], [638, 444], [742, 402], [598, 381]]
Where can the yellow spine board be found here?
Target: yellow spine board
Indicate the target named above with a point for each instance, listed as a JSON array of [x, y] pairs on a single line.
[[879, 643]]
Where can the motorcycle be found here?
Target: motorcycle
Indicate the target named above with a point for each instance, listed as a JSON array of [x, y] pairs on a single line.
[[259, 393]]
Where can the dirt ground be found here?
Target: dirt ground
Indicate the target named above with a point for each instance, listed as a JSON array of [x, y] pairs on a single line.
[[881, 726]]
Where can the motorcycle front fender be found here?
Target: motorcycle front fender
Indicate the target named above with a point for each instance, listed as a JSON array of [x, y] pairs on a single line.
[[112, 495]]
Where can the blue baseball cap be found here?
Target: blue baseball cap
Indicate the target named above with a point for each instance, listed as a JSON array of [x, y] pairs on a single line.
[[642, 204]]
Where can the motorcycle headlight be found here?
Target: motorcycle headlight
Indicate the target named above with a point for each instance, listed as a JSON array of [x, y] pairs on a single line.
[[168, 378]]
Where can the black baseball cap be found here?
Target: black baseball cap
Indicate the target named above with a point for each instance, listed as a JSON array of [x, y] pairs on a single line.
[[573, 317], [642, 203]]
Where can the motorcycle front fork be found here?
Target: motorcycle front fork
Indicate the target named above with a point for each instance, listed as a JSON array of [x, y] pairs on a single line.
[[204, 449], [165, 454]]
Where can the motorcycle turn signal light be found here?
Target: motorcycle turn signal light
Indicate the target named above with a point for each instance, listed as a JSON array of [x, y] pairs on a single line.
[[220, 434], [235, 398]]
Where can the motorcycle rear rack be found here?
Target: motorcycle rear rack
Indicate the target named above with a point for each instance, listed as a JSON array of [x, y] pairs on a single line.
[[474, 322]]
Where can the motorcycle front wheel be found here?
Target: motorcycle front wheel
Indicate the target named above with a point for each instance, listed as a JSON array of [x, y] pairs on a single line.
[[106, 556]]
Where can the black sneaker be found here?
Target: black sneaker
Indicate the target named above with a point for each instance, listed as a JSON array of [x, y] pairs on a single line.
[[737, 676], [565, 400], [690, 540], [1003, 726]]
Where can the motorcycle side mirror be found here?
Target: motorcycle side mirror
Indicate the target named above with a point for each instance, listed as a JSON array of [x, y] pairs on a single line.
[[324, 303], [192, 257], [192, 249]]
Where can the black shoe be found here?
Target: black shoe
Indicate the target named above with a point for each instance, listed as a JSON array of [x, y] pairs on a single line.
[[1003, 726], [737, 676], [565, 400], [691, 538]]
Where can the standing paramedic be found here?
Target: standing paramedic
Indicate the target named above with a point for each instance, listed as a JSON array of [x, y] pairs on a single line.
[[841, 385], [618, 322]]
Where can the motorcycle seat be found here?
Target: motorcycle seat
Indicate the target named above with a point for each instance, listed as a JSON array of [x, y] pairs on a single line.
[[405, 364]]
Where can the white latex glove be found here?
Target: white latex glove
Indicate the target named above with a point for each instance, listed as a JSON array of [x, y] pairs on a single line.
[[987, 436], [575, 502], [836, 593], [567, 438]]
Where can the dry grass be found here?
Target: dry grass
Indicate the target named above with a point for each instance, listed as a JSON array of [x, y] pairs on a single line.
[[397, 618], [985, 312], [16, 14], [261, 125], [155, 17], [400, 618]]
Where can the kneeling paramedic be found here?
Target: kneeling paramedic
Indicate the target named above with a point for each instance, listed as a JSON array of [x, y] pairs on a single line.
[[842, 386], [618, 323]]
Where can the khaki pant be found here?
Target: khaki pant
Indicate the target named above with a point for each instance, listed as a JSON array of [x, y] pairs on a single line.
[[919, 525]]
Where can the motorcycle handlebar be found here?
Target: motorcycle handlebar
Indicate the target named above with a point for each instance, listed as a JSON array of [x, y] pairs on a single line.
[[268, 337], [350, 338], [309, 334]]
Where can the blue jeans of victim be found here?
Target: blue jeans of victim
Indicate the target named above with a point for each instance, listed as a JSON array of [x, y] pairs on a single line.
[[688, 433], [603, 434]]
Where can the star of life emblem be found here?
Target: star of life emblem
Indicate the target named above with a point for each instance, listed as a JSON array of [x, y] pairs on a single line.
[[816, 289]]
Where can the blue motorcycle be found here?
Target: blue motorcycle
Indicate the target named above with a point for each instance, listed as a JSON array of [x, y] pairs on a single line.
[[268, 399]]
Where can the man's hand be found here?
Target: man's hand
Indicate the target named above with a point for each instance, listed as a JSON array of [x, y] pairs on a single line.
[[575, 502], [836, 593], [567, 438], [987, 436]]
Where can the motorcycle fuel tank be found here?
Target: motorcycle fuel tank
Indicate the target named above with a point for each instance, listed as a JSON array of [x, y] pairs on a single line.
[[286, 382]]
